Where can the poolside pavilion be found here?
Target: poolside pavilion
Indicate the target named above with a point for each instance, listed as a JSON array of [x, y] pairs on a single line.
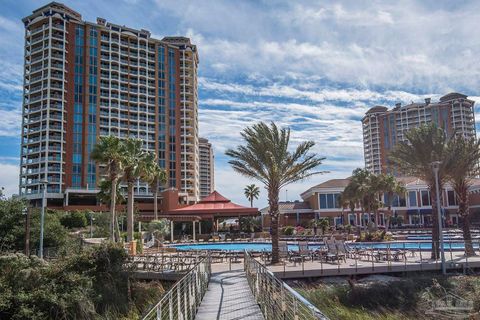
[[211, 208]]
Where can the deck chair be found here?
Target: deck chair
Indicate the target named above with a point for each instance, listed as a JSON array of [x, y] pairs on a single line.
[[303, 251], [344, 249], [283, 250], [333, 253]]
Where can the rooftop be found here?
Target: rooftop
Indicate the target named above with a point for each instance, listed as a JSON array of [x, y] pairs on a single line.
[[287, 206]]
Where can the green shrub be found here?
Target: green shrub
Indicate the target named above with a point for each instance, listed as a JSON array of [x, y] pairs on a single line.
[[12, 226], [146, 294], [88, 285], [139, 245], [288, 230], [34, 289], [74, 219], [101, 225]]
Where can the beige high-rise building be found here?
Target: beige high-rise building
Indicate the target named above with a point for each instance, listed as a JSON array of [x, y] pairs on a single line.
[[383, 128], [84, 80], [207, 165]]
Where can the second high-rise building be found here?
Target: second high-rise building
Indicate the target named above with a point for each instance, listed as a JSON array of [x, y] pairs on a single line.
[[207, 168], [84, 80], [383, 128]]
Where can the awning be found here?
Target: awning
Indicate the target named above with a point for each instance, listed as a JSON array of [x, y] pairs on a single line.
[[412, 212]]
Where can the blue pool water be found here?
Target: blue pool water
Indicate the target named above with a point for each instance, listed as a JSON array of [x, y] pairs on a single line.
[[256, 246]]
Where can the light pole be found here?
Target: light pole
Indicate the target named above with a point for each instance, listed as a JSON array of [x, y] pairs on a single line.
[[436, 168], [91, 224], [26, 211], [42, 216]]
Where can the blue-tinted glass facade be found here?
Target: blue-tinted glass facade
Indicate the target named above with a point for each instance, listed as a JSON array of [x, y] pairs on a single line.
[[162, 125], [92, 106], [171, 116], [78, 108]]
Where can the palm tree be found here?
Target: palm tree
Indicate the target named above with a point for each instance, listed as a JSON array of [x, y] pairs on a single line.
[[155, 176], [463, 166], [423, 146], [391, 186], [265, 157], [358, 190], [108, 152], [103, 196], [349, 199], [323, 223], [133, 163], [251, 192], [373, 195], [344, 203]]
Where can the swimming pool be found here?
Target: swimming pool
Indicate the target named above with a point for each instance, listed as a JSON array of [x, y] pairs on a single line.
[[266, 246]]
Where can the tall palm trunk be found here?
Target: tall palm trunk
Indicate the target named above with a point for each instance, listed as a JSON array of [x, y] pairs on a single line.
[[117, 228], [113, 203], [155, 205], [130, 211], [464, 212], [273, 194], [388, 218], [435, 230]]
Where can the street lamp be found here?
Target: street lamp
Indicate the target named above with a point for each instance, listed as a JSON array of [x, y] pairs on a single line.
[[436, 168], [26, 212], [91, 224], [44, 183]]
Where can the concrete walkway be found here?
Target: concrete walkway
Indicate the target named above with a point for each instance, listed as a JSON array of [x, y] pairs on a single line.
[[229, 298]]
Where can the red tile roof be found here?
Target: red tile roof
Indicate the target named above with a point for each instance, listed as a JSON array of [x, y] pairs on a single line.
[[215, 205]]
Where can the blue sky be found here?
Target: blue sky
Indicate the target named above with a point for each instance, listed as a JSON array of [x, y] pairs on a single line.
[[315, 66]]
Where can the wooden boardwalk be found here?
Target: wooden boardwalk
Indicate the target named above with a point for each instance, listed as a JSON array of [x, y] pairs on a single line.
[[229, 297]]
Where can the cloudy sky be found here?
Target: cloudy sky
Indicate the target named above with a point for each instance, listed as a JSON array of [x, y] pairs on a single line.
[[315, 66]]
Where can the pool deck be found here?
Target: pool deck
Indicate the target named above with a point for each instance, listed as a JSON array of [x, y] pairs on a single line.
[[228, 296], [417, 262], [455, 262]]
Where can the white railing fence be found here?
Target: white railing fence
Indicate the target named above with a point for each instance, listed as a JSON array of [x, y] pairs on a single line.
[[276, 299], [184, 298]]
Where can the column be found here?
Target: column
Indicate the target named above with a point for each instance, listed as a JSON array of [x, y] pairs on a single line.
[[171, 230], [199, 227], [194, 231]]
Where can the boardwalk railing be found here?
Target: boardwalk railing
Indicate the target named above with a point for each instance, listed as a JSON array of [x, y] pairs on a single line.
[[277, 300], [184, 298]]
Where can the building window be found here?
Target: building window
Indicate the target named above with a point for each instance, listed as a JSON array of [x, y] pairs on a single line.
[[412, 198], [452, 198], [323, 201], [329, 200], [397, 201], [426, 198]]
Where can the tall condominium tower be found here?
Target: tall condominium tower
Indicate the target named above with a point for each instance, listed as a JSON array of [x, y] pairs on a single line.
[[85, 80], [383, 128], [207, 165]]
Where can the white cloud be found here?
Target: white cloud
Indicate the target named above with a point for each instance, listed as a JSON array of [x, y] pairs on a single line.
[[411, 44], [11, 122], [320, 95], [10, 176]]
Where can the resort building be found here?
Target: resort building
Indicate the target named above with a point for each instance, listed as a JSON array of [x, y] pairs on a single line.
[[207, 168], [383, 128], [414, 207], [292, 213], [84, 80]]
